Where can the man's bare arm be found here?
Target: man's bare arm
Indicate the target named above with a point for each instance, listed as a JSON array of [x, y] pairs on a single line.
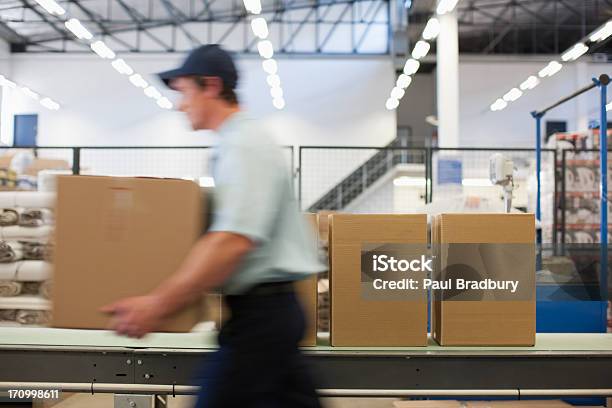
[[210, 262]]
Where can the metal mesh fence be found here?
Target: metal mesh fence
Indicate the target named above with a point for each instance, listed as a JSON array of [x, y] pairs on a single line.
[[362, 179], [192, 162], [65, 154]]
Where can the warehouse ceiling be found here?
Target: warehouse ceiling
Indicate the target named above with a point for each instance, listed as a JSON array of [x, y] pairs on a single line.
[[486, 26], [519, 26]]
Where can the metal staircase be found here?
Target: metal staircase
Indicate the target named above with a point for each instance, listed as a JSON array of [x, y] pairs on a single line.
[[364, 176]]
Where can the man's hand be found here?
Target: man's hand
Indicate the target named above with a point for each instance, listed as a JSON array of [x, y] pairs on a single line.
[[209, 263], [136, 316]]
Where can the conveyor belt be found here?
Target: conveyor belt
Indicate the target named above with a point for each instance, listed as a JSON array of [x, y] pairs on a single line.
[[558, 364]]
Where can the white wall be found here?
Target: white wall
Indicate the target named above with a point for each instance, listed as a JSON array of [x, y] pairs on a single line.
[[337, 102], [418, 103], [5, 69], [481, 82], [484, 79]]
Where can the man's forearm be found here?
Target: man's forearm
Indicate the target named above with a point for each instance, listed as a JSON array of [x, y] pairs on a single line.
[[209, 263]]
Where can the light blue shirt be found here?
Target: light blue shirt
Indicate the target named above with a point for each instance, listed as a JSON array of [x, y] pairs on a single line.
[[254, 197]]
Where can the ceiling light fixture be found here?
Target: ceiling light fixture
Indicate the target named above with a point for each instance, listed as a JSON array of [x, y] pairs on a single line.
[[122, 67], [102, 50], [260, 27], [75, 27], [421, 48], [575, 52]]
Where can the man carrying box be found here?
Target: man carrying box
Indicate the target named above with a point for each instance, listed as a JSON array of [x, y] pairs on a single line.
[[256, 247]]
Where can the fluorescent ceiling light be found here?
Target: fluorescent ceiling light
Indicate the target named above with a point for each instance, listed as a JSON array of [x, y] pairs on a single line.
[[253, 6], [76, 28], [403, 81], [406, 181], [164, 103], [260, 27], [530, 83], [549, 70], [102, 50], [122, 67], [512, 95], [421, 48], [476, 182], [602, 33], [138, 81], [49, 104], [498, 105], [446, 6], [432, 29], [152, 92], [270, 66], [411, 66], [265, 48], [30, 93], [276, 93], [273, 80], [575, 52], [397, 93], [391, 103], [279, 103], [52, 7]]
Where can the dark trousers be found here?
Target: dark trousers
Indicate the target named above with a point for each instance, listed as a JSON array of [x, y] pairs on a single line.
[[258, 363]]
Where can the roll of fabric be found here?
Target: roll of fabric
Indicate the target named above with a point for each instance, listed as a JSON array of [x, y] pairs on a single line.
[[31, 217], [33, 271], [34, 199], [7, 199], [20, 233], [35, 251], [10, 252], [30, 288], [38, 317], [8, 315], [9, 216], [45, 289], [10, 288], [8, 271]]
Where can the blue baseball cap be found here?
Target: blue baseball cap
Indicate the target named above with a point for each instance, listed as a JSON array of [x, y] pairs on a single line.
[[207, 60]]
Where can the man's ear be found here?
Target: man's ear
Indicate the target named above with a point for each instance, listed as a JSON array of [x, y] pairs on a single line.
[[214, 86]]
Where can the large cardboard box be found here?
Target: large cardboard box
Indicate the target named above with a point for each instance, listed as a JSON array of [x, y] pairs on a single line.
[[356, 321], [118, 237], [502, 245]]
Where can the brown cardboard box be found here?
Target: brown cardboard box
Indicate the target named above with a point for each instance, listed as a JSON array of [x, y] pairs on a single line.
[[428, 404], [307, 292], [323, 225], [518, 404], [118, 237], [486, 322], [356, 321]]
